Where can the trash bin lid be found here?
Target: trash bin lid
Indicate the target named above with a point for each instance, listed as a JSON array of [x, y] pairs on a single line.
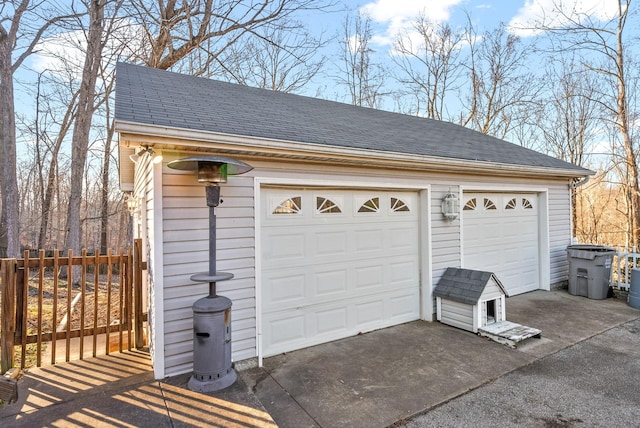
[[591, 247]]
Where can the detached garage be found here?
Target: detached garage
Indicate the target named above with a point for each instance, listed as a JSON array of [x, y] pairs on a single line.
[[339, 228]]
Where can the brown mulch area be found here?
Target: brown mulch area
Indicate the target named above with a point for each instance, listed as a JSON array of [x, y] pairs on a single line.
[[84, 303]]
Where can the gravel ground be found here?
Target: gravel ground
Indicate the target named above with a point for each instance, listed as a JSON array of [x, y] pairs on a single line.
[[595, 383]]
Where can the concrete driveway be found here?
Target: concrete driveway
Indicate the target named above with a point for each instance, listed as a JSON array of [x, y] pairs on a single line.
[[389, 376], [595, 383]]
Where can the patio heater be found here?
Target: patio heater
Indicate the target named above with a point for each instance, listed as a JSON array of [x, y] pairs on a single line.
[[212, 367]]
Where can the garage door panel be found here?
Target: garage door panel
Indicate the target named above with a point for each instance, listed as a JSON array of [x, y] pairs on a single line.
[[285, 288], [368, 240], [503, 240], [286, 247], [330, 243], [331, 321], [302, 327], [367, 277], [330, 283], [342, 272]]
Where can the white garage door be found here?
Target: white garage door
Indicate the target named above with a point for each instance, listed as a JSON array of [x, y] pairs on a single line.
[[500, 235], [336, 263]]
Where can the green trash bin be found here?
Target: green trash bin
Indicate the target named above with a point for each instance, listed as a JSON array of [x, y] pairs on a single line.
[[590, 270]]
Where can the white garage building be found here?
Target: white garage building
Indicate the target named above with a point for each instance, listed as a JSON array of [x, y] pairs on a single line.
[[338, 229]]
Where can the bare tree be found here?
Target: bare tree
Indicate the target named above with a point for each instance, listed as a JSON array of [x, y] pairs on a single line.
[[23, 23], [84, 116], [363, 78], [430, 68], [569, 120], [500, 85], [604, 52], [173, 29], [106, 164], [277, 59]]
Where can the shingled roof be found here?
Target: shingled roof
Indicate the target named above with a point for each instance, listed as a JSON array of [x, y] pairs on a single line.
[[464, 285], [154, 97]]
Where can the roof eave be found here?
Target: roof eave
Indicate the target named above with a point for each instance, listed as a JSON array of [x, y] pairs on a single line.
[[133, 133]]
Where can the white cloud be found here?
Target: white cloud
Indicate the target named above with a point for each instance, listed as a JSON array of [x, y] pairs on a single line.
[[557, 13], [396, 15], [64, 53]]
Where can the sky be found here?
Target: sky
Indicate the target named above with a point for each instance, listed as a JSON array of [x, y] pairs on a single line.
[[389, 17], [394, 15]]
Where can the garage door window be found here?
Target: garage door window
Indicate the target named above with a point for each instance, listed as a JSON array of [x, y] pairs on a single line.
[[398, 205], [326, 206], [470, 205], [371, 206], [526, 204], [489, 205], [511, 205], [289, 206]]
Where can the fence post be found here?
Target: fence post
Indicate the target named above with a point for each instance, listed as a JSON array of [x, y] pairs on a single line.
[[137, 293], [8, 268]]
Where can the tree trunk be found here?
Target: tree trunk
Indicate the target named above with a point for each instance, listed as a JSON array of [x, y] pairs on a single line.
[[82, 127], [9, 235]]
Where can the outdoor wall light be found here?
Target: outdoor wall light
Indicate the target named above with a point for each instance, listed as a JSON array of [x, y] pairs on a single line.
[[212, 366], [155, 157], [132, 204], [450, 206]]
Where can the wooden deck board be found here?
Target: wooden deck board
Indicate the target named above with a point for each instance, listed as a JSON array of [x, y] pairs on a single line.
[[509, 333]]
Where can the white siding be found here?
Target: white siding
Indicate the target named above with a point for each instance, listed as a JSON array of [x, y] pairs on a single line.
[[559, 231], [491, 291], [445, 234], [457, 314], [144, 227]]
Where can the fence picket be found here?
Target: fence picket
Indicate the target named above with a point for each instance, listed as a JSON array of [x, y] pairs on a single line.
[[54, 323], [96, 279], [25, 298], [121, 296], [69, 286], [40, 298], [109, 285]]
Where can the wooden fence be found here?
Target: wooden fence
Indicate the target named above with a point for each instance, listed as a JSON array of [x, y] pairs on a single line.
[[65, 305]]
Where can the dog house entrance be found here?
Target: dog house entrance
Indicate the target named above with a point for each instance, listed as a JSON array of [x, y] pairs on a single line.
[[491, 311]]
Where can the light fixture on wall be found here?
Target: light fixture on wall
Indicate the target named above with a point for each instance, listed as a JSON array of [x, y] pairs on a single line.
[[450, 206], [155, 157], [132, 204], [212, 367]]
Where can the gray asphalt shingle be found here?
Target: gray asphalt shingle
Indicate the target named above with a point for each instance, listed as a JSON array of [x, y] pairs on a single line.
[[154, 97], [463, 285]]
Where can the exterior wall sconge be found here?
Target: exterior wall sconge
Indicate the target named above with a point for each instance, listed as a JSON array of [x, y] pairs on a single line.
[[155, 157], [212, 366], [132, 204], [450, 206]]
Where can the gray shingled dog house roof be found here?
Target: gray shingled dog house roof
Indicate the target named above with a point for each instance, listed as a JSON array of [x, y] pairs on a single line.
[[164, 101], [464, 285]]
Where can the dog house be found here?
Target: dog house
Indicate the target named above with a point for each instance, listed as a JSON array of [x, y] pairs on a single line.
[[470, 299]]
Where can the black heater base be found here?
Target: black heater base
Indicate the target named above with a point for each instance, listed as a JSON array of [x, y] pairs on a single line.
[[214, 384]]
